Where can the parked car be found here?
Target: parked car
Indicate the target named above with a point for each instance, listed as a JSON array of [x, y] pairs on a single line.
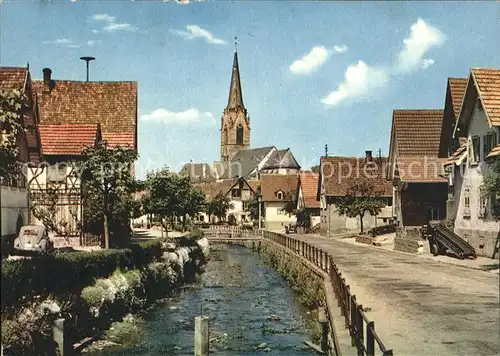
[[33, 238]]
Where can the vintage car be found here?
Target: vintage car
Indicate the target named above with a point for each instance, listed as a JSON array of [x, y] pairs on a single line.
[[33, 238]]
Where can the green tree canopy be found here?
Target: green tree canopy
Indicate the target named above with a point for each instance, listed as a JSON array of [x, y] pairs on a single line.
[[107, 185], [361, 198], [219, 206], [315, 169], [13, 104]]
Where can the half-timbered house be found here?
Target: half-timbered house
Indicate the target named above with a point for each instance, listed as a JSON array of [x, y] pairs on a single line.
[[74, 115]]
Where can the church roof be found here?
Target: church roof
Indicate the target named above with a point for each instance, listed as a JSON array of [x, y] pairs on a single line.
[[281, 159], [235, 99], [243, 163]]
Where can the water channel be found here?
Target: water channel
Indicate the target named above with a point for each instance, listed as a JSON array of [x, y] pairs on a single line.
[[251, 310]]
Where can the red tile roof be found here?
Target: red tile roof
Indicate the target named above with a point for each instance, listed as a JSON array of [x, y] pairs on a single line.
[[123, 139], [417, 132], [67, 139], [457, 154], [13, 78], [272, 183], [309, 186], [488, 85], [112, 104], [420, 169], [457, 90], [339, 173], [495, 152]]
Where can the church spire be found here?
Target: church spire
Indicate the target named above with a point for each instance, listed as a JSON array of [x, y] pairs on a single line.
[[235, 95]]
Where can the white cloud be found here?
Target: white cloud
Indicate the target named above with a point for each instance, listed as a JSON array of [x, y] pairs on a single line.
[[103, 17], [93, 42], [59, 41], [311, 61], [95, 31], [189, 116], [341, 49], [111, 25], [62, 42], [360, 80], [194, 31], [422, 38]]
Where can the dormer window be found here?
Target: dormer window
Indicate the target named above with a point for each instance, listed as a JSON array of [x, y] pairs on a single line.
[[279, 195]]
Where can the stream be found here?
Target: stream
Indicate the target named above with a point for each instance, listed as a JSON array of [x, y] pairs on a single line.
[[251, 309]]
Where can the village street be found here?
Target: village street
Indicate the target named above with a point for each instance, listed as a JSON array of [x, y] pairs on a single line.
[[420, 306]]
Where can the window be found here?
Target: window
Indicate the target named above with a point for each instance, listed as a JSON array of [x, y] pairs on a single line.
[[489, 141], [474, 149], [279, 195], [479, 105], [483, 202], [56, 173], [466, 212], [245, 206], [236, 193], [239, 134]]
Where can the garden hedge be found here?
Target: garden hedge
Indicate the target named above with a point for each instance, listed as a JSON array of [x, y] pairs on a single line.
[[64, 273]]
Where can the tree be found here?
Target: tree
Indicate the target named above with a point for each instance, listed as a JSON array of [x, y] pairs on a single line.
[[107, 185], [168, 193], [361, 198], [13, 104], [253, 208], [219, 206], [491, 187], [315, 169], [303, 217], [290, 199], [192, 202]]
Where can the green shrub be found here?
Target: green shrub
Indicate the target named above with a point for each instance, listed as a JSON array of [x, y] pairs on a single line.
[[69, 272], [146, 252], [126, 332]]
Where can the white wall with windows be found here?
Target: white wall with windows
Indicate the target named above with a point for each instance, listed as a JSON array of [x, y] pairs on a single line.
[[474, 220]]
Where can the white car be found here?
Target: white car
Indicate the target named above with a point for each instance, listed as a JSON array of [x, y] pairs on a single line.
[[33, 238]]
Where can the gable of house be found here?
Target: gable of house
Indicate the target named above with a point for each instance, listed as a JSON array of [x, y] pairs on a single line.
[[279, 187], [481, 109], [308, 185], [455, 90]]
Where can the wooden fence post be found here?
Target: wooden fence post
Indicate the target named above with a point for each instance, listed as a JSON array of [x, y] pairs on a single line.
[[201, 336]]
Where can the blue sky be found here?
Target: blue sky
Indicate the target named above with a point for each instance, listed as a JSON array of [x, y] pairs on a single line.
[[313, 73]]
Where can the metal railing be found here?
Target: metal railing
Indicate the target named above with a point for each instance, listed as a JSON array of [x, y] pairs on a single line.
[[361, 329]]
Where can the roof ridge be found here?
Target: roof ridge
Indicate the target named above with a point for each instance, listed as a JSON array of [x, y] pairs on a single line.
[[87, 83], [418, 109]]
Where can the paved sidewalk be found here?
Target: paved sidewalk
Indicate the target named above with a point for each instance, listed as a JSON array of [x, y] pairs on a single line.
[[420, 306], [481, 263]]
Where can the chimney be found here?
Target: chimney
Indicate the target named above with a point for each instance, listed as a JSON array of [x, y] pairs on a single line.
[[368, 156], [46, 80]]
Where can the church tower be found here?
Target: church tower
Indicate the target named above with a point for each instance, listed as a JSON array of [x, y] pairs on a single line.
[[235, 124]]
